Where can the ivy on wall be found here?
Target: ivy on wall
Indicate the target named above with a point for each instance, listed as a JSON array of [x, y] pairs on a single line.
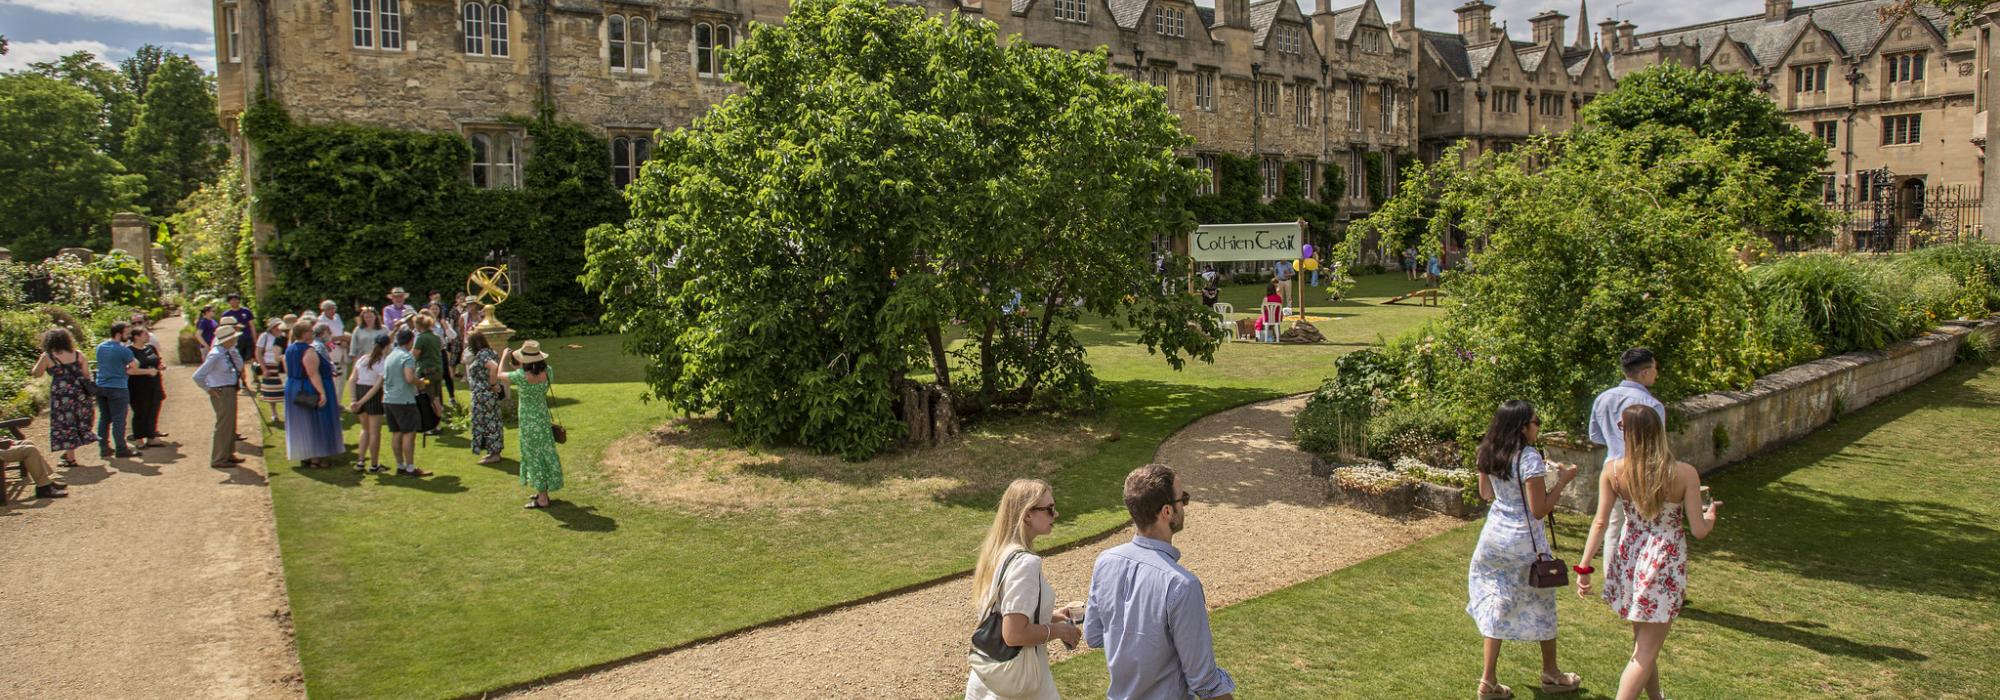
[[1238, 197], [1377, 191], [359, 210]]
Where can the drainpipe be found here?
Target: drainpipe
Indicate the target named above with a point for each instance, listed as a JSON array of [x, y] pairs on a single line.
[[542, 55]]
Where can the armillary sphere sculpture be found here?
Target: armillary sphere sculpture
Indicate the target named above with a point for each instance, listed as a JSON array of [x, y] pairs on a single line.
[[488, 286]]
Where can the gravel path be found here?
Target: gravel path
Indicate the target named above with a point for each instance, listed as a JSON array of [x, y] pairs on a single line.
[[158, 577], [1258, 524]]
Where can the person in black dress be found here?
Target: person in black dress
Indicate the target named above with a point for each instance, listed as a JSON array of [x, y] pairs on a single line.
[[148, 392]]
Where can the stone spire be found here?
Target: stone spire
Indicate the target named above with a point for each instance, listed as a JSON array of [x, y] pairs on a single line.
[[1583, 24]]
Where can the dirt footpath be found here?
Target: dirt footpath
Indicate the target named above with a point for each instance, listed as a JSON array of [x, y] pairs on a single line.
[[1257, 524], [157, 578]]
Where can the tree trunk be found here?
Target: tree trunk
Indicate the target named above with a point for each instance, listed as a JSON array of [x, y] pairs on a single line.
[[917, 413], [939, 363]]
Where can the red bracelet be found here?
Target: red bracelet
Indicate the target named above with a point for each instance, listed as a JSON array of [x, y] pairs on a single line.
[[1583, 570]]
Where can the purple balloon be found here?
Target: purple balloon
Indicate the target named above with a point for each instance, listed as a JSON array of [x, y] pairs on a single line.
[[1309, 250]]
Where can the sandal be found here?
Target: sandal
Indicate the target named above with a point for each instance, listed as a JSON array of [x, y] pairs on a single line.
[[1564, 682], [533, 504], [68, 463], [1498, 692]]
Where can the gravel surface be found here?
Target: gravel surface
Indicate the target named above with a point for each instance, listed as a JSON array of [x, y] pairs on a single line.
[[157, 578], [1258, 523]]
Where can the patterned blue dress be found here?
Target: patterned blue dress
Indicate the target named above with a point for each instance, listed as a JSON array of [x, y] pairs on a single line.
[[1500, 600]]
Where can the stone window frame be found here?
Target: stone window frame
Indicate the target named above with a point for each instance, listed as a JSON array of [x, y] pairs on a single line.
[[1551, 104], [636, 146], [232, 33], [1903, 129], [1387, 108], [1357, 97], [1271, 170], [1829, 189], [377, 22], [494, 36], [1161, 73], [1369, 41], [1308, 173], [1206, 163], [1071, 11], [1828, 131], [1204, 89], [1357, 178], [619, 58], [1170, 21], [1810, 79], [490, 141], [1302, 104], [1441, 100], [1266, 97], [1290, 39], [722, 36], [1904, 66]]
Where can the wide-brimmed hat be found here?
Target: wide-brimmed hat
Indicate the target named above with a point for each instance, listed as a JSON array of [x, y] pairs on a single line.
[[398, 292], [225, 333], [530, 353], [226, 321]]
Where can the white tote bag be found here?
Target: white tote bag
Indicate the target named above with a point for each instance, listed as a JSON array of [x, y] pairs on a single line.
[[1017, 677]]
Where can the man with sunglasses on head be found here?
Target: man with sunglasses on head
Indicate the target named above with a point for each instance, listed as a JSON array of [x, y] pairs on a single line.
[[1641, 369], [1146, 612]]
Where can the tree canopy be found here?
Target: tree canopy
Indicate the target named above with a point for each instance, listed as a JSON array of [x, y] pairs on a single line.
[[61, 189], [176, 143], [897, 197]]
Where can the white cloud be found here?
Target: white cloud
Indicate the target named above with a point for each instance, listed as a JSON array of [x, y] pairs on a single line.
[[21, 53], [174, 14]]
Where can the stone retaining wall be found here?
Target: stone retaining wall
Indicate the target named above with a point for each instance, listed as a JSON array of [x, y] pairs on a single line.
[[1712, 430]]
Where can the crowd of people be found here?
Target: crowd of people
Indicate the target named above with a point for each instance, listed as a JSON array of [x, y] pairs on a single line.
[[1150, 617], [396, 367]]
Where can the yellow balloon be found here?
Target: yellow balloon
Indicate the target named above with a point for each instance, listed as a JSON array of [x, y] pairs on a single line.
[[1310, 264]]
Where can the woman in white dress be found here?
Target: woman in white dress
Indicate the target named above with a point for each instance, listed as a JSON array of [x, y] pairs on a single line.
[[1023, 597], [1500, 600]]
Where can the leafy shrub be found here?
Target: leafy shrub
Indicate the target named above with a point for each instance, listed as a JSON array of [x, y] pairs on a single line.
[[1980, 347], [1780, 338], [1974, 266], [1334, 421], [121, 280], [1415, 430], [100, 321], [20, 344], [1847, 306]]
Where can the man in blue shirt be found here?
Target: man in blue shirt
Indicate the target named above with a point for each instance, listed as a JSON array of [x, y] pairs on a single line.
[[1641, 370], [115, 365], [400, 385], [1146, 612], [220, 373]]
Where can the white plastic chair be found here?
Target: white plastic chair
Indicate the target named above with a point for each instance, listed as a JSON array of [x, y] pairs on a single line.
[[1273, 315], [1222, 323]]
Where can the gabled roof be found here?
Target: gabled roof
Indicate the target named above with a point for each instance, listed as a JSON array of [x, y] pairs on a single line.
[[1207, 15], [1344, 21], [1261, 16], [1531, 57], [1450, 50], [1127, 13], [1855, 25], [1480, 58], [1576, 61]]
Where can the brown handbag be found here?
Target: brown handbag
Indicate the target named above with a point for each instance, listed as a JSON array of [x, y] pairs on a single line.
[[1545, 571]]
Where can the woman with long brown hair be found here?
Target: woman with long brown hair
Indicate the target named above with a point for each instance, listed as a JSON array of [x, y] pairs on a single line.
[[71, 407], [367, 393], [1503, 604], [1008, 579], [1645, 576]]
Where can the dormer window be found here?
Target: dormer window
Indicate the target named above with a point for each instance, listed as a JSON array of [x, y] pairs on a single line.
[[1072, 10], [1290, 39], [1170, 21], [1370, 41]]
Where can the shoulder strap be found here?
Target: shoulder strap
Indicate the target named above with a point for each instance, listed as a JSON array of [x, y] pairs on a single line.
[[993, 602], [1521, 483]]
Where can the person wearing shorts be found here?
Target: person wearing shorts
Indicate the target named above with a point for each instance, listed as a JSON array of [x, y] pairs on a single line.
[[399, 404]]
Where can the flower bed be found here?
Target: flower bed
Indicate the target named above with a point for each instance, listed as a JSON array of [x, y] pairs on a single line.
[[1453, 492], [1373, 489]]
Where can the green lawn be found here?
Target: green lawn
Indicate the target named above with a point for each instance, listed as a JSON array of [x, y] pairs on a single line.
[[445, 586], [1859, 562]]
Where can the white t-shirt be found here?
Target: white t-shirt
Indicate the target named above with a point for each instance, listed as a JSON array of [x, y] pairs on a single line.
[[338, 351], [272, 347], [1020, 587], [365, 375]]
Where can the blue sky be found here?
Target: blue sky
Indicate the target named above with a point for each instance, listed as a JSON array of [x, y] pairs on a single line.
[[40, 30]]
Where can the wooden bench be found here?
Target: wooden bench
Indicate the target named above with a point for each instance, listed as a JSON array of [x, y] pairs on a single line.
[[12, 428]]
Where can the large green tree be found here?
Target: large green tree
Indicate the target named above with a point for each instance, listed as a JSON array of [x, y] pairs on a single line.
[[60, 188], [1726, 109], [140, 67], [117, 105], [176, 143], [895, 197]]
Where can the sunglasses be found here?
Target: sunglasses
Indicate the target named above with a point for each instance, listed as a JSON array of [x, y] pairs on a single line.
[[1050, 509], [1183, 500]]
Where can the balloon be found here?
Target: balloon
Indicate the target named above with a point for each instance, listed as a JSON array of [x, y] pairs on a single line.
[[1309, 250], [1310, 264]]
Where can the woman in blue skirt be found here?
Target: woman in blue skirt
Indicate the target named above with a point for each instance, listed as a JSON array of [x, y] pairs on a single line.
[[312, 404]]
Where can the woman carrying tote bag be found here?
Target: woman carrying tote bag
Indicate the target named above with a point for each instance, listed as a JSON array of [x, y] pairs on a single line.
[[1014, 599]]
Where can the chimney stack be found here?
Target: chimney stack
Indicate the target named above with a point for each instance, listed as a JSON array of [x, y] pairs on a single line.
[[1548, 28], [1777, 10], [1607, 35], [1475, 22], [1626, 42], [1409, 19], [1233, 13]]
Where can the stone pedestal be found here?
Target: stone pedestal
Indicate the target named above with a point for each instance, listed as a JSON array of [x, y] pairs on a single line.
[[497, 333], [6, 255], [132, 233]]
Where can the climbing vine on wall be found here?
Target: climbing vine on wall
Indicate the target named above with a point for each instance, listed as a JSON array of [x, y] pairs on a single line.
[[1377, 188], [359, 210], [1239, 197]]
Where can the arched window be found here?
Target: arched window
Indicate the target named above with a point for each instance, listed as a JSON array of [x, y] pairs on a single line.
[[496, 29], [704, 50], [475, 28], [722, 45], [621, 162], [615, 33], [635, 43], [482, 148]]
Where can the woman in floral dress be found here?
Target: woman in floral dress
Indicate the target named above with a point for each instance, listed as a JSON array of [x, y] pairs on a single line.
[[1499, 598], [541, 467], [1645, 576], [72, 408], [488, 389]]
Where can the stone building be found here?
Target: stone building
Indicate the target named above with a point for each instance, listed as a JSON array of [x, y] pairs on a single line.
[[1484, 87], [1899, 103], [1262, 80]]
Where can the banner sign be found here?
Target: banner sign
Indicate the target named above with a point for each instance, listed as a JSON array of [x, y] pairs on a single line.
[[1228, 242]]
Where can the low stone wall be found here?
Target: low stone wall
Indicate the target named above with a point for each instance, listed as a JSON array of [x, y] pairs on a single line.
[[1712, 430]]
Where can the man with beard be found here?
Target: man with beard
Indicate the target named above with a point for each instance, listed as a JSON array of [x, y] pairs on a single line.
[[1146, 612]]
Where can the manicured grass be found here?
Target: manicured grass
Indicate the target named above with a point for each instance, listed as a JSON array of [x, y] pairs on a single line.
[[446, 586], [1859, 562]]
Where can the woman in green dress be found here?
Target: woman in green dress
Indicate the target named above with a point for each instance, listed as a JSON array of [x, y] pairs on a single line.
[[541, 467]]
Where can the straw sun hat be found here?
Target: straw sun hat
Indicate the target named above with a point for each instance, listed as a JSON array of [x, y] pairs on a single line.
[[225, 333], [530, 353]]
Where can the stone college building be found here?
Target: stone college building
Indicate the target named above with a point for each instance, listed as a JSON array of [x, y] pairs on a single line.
[[1901, 99]]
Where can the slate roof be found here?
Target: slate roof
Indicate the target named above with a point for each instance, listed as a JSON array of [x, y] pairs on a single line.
[[1127, 13], [1261, 16], [1575, 61], [1531, 58], [1856, 25], [1344, 21], [1450, 49], [1207, 15]]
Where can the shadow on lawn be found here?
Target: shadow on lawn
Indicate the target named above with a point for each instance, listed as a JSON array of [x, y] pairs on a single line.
[[579, 518], [1801, 634]]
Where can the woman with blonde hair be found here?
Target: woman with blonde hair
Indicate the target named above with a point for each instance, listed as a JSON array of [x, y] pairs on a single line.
[[1008, 579], [1645, 575]]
